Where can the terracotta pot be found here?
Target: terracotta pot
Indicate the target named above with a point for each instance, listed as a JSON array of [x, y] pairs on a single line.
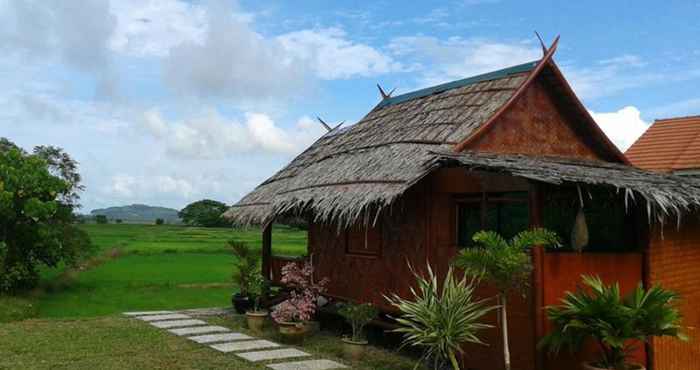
[[241, 303], [256, 320], [353, 350], [589, 366], [293, 332]]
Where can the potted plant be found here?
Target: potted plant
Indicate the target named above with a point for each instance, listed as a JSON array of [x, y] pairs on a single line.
[[256, 315], [357, 315], [293, 315], [505, 264], [440, 318], [245, 265], [600, 314]]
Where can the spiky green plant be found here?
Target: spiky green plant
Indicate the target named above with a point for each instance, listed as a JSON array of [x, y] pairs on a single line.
[[504, 264], [602, 314], [440, 318]]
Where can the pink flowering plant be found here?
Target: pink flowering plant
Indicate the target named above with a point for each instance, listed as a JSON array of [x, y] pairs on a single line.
[[303, 299]]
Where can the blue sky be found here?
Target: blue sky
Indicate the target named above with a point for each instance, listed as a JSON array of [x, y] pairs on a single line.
[[167, 101]]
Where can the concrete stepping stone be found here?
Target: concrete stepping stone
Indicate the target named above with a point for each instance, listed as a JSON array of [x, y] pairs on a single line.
[[308, 365], [173, 316], [176, 323], [199, 330], [246, 345], [213, 338], [276, 354], [145, 313]]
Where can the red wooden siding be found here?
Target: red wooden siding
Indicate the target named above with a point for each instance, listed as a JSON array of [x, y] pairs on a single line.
[[445, 186], [562, 272], [534, 125], [674, 262], [366, 277]]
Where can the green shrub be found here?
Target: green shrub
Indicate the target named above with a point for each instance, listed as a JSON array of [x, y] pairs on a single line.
[[612, 321], [160, 221], [441, 317], [358, 316], [37, 198], [101, 219]]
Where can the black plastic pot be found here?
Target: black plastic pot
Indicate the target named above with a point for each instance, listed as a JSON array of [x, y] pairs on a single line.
[[241, 303]]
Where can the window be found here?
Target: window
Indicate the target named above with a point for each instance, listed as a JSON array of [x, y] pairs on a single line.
[[364, 241], [605, 216], [505, 213]]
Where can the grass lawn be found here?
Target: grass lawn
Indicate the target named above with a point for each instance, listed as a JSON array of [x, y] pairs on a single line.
[[146, 267], [114, 342]]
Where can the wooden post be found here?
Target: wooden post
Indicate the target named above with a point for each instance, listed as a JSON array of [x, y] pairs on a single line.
[[536, 204], [267, 250]]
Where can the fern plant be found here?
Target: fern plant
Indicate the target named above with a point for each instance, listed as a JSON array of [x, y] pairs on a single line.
[[440, 318], [505, 264], [602, 314], [245, 265]]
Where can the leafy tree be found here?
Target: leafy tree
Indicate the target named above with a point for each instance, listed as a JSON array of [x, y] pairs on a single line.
[[441, 317], [119, 220], [505, 264], [611, 320], [101, 219], [160, 221], [205, 213], [37, 201]]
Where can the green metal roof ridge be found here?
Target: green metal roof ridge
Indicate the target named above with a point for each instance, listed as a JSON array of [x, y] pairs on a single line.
[[494, 75]]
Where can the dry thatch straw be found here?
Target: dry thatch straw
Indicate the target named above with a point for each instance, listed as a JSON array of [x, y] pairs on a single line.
[[354, 173], [664, 194]]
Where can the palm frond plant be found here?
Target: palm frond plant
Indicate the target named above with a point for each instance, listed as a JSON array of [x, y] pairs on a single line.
[[506, 264], [600, 313], [440, 318]]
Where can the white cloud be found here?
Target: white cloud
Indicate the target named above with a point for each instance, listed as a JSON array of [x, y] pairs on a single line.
[[623, 127], [456, 57], [76, 32], [212, 136], [686, 107], [133, 187], [609, 76], [332, 56], [232, 61], [152, 27]]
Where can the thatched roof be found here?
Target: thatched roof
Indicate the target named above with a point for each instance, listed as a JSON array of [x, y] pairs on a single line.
[[370, 164], [358, 171], [662, 194]]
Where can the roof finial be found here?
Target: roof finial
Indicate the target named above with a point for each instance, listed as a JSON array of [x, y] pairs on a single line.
[[384, 94], [544, 48], [327, 127]]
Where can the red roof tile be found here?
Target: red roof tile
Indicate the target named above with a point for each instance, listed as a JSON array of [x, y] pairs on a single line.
[[668, 145]]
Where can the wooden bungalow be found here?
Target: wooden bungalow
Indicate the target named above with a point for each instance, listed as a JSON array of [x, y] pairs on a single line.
[[507, 150]]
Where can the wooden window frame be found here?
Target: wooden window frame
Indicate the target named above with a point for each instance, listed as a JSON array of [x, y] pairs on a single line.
[[373, 254], [483, 199]]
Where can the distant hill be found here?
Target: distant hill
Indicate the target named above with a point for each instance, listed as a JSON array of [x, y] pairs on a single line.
[[138, 213]]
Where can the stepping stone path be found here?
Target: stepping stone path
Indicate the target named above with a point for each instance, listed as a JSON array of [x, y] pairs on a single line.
[[246, 345], [307, 365], [176, 323], [224, 340], [213, 338]]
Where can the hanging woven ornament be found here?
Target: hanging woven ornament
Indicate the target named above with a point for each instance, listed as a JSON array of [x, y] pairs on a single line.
[[579, 234]]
